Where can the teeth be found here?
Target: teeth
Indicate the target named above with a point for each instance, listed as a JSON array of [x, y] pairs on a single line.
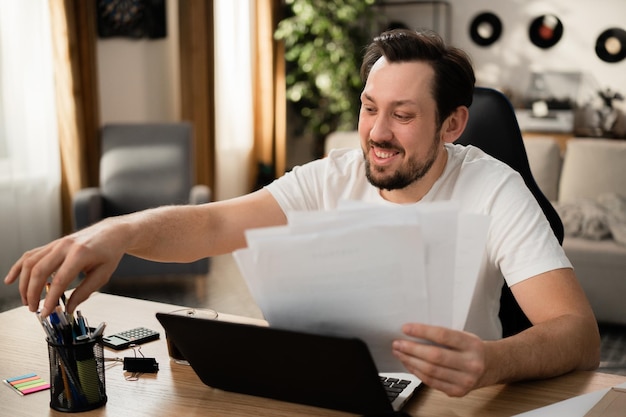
[[382, 154]]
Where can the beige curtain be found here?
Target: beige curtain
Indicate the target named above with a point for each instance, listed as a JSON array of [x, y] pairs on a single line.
[[73, 38], [197, 85], [269, 95]]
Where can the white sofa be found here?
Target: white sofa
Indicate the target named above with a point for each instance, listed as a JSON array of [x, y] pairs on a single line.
[[587, 185], [581, 182]]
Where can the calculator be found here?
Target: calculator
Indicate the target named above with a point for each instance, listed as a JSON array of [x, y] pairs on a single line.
[[136, 336]]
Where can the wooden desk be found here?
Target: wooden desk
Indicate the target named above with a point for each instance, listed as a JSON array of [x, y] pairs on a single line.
[[176, 390]]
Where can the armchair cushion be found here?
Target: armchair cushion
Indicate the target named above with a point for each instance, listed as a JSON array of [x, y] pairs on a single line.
[[87, 207], [143, 166]]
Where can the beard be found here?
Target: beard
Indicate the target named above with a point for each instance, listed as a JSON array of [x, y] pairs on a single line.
[[410, 172]]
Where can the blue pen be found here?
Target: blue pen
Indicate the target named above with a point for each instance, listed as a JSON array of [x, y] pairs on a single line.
[[81, 323], [56, 325]]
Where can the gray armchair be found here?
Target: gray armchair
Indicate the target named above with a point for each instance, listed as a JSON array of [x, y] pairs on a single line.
[[144, 166]]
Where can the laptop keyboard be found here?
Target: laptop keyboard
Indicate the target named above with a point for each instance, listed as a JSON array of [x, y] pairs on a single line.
[[394, 386]]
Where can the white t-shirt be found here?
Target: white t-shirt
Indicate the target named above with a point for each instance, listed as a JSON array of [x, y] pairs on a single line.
[[520, 241]]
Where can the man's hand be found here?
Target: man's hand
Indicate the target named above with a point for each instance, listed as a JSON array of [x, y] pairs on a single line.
[[454, 363], [94, 251]]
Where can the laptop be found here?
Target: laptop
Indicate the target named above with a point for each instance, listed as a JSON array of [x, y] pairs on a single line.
[[322, 371]]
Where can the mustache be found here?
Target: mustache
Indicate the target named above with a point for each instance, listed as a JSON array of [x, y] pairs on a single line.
[[383, 145]]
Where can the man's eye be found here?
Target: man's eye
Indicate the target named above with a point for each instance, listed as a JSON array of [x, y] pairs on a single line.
[[402, 116], [369, 109]]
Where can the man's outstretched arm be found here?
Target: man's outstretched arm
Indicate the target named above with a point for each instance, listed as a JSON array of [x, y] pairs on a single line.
[[167, 234]]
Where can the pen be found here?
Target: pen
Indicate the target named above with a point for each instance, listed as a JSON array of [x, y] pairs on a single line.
[[63, 299], [61, 316], [46, 327], [99, 330], [81, 323], [56, 326]]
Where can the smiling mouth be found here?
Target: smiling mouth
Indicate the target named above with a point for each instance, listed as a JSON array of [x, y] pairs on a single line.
[[383, 151], [383, 154]]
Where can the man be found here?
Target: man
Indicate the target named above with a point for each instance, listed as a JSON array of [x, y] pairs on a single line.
[[414, 105]]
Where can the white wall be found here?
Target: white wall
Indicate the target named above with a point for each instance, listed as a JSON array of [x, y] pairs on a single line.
[[508, 62], [139, 79]]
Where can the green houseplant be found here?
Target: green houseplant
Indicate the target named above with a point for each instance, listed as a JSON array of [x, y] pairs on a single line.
[[324, 42]]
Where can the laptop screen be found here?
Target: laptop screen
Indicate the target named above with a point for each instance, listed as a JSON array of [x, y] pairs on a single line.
[[323, 371]]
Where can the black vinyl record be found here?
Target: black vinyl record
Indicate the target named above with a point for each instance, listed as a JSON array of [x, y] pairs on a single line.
[[611, 45], [545, 31], [485, 29]]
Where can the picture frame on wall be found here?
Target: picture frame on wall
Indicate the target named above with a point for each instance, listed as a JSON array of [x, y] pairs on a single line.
[[131, 19]]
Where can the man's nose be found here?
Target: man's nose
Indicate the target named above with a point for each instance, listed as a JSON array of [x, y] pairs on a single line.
[[381, 129]]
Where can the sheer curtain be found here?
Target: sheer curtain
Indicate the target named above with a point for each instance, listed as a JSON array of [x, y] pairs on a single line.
[[234, 130], [30, 207]]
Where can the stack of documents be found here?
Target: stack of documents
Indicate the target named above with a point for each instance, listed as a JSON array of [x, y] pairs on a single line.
[[364, 270]]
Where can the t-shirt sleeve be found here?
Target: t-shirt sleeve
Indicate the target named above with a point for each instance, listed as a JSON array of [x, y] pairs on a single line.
[[299, 189], [323, 183], [522, 242]]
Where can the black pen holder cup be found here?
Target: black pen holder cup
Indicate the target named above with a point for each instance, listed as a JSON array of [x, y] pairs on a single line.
[[77, 375]]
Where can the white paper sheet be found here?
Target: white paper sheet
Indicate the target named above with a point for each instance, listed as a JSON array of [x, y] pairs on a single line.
[[363, 271], [471, 241]]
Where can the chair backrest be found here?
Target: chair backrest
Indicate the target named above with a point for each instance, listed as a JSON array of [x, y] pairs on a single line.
[[493, 127], [145, 165]]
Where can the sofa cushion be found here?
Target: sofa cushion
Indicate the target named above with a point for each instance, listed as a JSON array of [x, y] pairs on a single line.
[[342, 139], [599, 266], [544, 157], [592, 167]]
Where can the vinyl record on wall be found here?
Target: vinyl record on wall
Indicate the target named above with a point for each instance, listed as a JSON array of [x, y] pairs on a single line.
[[611, 45], [485, 29], [545, 31]]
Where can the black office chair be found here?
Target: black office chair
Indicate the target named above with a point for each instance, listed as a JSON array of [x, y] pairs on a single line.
[[493, 127]]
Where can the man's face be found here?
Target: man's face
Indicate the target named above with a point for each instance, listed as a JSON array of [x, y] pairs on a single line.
[[398, 124]]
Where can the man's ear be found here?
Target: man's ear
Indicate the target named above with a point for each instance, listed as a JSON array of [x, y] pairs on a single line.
[[454, 125]]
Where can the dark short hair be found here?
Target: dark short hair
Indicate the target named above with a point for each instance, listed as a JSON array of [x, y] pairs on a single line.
[[454, 79]]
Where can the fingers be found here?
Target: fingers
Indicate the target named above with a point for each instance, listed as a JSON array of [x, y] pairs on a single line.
[[59, 259], [39, 277], [453, 382], [440, 335], [454, 362], [14, 272], [91, 251], [72, 261], [56, 289], [92, 282], [33, 274]]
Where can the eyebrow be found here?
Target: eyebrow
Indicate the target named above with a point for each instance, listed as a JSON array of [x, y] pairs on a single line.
[[395, 103]]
